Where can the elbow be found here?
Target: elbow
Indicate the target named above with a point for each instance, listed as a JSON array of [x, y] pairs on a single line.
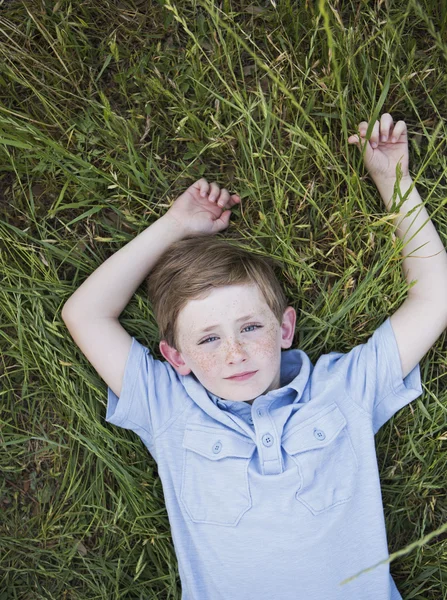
[[67, 313]]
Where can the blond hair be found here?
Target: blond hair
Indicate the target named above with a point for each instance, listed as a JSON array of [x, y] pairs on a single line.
[[197, 264]]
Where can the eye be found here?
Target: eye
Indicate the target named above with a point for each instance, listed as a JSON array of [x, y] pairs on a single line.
[[246, 327]]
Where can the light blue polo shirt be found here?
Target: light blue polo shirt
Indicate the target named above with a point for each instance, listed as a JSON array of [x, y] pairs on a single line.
[[281, 499]]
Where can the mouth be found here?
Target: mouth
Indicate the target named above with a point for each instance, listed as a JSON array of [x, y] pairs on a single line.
[[242, 377]]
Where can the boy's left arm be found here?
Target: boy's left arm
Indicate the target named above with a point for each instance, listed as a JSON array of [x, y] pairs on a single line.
[[422, 318]]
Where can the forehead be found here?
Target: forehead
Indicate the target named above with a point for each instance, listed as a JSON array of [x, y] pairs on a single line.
[[222, 304]]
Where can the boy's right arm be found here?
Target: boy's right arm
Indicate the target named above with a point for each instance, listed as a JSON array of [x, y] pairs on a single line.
[[91, 313]]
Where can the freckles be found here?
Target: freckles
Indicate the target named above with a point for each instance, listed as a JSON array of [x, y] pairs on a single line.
[[268, 346], [205, 362], [265, 347]]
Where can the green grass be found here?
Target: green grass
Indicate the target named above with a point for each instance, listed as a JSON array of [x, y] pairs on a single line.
[[108, 111]]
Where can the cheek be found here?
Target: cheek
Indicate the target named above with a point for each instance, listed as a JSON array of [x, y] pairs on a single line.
[[267, 345], [206, 362]]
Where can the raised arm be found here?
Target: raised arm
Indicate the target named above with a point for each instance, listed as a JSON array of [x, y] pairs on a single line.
[[108, 290], [422, 318], [91, 313]]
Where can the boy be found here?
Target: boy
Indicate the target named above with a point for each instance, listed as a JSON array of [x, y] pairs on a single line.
[[270, 478]]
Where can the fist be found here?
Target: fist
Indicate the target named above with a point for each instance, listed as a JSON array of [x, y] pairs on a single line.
[[203, 208]]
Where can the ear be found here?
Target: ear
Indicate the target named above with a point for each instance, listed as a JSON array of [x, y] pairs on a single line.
[[174, 358], [288, 327]]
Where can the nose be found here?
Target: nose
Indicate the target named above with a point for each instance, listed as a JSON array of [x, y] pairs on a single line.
[[236, 352]]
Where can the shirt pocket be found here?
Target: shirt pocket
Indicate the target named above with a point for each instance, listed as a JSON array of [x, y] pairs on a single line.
[[322, 449], [215, 486]]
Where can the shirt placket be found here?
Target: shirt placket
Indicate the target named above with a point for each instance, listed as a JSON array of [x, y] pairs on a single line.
[[268, 441]]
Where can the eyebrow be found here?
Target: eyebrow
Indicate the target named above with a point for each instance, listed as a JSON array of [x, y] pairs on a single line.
[[211, 327]]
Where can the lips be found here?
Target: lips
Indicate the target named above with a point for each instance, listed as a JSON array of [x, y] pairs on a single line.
[[240, 375]]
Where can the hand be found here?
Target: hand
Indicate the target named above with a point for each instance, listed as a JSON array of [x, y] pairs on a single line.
[[381, 161], [201, 209]]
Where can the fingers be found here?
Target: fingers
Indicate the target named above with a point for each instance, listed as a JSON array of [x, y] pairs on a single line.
[[386, 124], [400, 129], [214, 192], [221, 197], [383, 131], [203, 187]]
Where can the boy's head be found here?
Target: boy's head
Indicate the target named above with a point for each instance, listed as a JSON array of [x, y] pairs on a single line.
[[205, 282]]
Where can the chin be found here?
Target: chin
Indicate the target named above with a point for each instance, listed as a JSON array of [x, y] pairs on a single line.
[[246, 395]]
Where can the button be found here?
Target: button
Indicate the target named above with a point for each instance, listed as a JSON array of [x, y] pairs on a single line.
[[250, 420], [217, 447], [267, 439], [260, 412], [319, 434]]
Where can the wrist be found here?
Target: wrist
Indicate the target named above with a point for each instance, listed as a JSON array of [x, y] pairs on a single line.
[[391, 180], [386, 184], [386, 189], [174, 225]]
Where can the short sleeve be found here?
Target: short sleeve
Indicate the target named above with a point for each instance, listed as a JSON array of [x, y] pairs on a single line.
[[371, 375], [148, 398]]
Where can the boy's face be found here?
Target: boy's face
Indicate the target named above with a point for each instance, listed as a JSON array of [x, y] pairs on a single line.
[[233, 345]]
